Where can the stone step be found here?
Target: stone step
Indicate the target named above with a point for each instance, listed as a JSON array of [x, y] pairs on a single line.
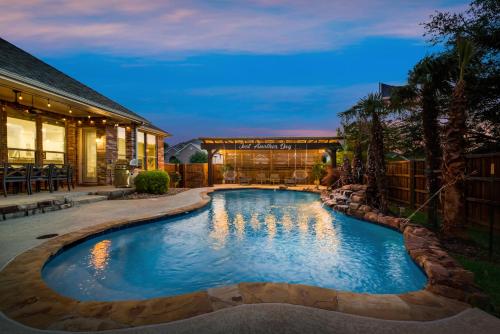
[[86, 199]]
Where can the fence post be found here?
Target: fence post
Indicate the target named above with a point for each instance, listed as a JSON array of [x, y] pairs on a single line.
[[184, 175], [412, 167]]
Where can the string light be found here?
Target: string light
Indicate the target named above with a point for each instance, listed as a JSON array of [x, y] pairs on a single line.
[[91, 122], [103, 121], [88, 116], [79, 122]]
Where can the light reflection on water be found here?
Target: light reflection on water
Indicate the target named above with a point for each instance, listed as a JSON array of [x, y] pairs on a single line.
[[242, 236], [100, 254]]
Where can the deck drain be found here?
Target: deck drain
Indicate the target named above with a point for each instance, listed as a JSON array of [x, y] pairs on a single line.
[[47, 236]]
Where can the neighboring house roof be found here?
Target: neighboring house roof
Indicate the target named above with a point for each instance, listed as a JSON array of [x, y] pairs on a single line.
[[17, 64], [386, 90], [175, 149]]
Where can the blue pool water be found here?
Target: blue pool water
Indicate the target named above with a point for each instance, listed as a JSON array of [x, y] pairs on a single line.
[[241, 236]]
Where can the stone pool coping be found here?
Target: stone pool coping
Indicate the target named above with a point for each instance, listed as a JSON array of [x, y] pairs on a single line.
[[25, 297]]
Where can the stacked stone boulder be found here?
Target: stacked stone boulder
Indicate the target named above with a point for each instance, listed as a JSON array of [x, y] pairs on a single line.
[[445, 275]]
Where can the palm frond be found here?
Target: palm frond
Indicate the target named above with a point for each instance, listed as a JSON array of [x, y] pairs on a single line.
[[465, 51]]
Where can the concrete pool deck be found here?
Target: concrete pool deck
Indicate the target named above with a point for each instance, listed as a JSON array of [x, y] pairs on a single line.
[[43, 308]]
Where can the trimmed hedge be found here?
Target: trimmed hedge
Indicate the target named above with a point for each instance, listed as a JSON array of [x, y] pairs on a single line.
[[152, 182]]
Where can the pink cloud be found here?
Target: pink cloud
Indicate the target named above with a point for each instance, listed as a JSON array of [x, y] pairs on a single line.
[[193, 26]]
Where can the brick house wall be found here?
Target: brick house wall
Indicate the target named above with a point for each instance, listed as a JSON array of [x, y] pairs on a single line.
[[160, 152], [3, 135], [102, 167], [106, 133], [72, 146], [130, 135], [111, 152]]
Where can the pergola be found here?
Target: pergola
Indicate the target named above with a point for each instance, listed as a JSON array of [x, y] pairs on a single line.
[[276, 144]]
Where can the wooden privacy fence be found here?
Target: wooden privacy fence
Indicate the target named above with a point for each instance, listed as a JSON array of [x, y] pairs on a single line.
[[407, 185], [192, 175]]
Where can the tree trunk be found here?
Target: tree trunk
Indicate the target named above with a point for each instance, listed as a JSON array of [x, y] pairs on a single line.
[[346, 176], [432, 144], [377, 141], [454, 164], [371, 183], [357, 164]]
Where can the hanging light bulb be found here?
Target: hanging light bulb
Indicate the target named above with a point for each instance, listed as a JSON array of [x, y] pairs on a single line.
[[103, 121], [79, 122], [48, 103], [91, 122], [88, 116], [20, 97], [70, 111]]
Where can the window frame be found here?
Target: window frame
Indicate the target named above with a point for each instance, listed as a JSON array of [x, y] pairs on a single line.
[[19, 149], [50, 122]]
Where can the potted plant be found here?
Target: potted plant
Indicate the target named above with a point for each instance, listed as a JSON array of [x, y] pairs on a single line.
[[318, 171], [226, 168]]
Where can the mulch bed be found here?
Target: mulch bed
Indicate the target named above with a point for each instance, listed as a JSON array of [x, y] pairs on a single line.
[[171, 192]]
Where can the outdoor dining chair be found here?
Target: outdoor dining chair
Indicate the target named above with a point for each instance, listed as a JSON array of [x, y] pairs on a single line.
[[40, 174], [243, 179], [299, 176], [64, 174], [274, 178], [16, 175], [261, 178], [229, 176]]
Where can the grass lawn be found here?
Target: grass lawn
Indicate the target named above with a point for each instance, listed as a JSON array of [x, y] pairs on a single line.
[[486, 271]]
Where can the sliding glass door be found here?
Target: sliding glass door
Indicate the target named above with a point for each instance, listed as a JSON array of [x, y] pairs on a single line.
[[89, 161]]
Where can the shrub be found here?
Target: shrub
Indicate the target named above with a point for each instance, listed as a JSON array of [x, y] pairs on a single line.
[[152, 182], [199, 157]]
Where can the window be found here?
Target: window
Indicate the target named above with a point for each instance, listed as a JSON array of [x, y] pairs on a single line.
[[121, 143], [151, 152], [141, 149], [54, 144], [21, 140]]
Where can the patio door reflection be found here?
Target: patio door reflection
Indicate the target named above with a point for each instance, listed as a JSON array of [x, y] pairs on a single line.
[[89, 169]]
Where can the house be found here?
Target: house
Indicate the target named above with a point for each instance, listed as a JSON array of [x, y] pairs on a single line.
[[47, 117], [183, 152]]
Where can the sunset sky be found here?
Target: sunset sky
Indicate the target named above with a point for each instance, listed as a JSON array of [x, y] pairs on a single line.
[[228, 68]]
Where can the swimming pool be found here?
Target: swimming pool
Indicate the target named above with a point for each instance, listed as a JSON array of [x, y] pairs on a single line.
[[241, 236]]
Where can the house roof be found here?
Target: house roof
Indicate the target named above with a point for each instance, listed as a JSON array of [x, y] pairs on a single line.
[[386, 90], [19, 65], [181, 146]]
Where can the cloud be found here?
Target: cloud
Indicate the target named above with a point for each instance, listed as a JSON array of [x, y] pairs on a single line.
[[155, 27]]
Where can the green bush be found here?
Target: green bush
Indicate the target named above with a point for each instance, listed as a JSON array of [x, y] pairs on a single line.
[[152, 182], [199, 157]]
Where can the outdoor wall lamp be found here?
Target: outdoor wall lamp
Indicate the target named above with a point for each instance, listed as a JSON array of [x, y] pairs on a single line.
[[100, 143]]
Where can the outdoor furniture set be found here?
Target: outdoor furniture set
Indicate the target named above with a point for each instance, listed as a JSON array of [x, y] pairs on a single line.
[[27, 174]]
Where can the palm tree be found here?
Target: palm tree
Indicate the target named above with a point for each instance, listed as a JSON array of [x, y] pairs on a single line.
[[372, 107], [454, 163], [427, 84]]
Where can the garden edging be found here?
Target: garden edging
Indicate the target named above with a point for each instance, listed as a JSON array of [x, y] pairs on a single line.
[[446, 277]]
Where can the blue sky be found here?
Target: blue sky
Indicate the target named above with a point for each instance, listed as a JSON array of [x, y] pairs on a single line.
[[228, 68]]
